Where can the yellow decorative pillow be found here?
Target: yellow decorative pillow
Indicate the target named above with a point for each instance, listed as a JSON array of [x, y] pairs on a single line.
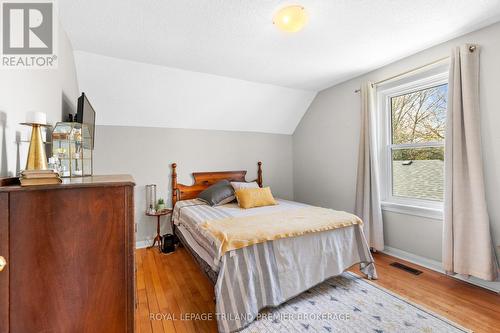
[[254, 197]]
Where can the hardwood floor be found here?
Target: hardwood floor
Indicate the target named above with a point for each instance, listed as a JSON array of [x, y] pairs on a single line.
[[174, 286], [171, 287], [468, 305]]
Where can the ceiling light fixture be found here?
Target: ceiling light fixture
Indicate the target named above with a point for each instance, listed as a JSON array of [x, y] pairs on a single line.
[[290, 18]]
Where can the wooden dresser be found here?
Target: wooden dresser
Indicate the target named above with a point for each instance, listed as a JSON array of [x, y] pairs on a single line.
[[69, 250]]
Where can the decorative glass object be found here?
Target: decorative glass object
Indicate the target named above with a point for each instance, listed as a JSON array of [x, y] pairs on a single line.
[[72, 149], [151, 199]]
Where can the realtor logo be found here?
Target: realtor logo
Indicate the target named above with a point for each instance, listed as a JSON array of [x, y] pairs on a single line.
[[28, 34]]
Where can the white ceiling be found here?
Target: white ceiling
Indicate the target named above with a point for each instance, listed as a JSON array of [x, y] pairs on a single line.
[[235, 38]]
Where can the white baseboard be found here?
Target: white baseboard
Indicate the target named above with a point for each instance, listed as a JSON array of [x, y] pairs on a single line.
[[413, 258], [142, 244], [436, 266]]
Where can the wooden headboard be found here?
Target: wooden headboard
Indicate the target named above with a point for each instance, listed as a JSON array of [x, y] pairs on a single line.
[[202, 180]]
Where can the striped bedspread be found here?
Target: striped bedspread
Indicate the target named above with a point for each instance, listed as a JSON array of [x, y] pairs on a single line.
[[267, 274]]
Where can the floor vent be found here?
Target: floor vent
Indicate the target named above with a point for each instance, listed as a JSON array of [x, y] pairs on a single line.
[[406, 268]]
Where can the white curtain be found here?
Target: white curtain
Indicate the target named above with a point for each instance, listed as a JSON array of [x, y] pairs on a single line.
[[467, 243], [367, 186]]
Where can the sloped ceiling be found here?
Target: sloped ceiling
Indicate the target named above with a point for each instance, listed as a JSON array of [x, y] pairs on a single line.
[[131, 93], [236, 39]]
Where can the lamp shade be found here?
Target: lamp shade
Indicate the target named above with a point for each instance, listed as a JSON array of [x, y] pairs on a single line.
[[34, 117], [290, 18]]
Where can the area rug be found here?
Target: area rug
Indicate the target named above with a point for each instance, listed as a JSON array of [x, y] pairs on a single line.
[[348, 303]]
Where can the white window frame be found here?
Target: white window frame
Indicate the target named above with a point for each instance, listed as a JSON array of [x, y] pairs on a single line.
[[405, 205]]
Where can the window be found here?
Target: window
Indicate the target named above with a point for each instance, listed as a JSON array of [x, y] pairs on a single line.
[[413, 117]]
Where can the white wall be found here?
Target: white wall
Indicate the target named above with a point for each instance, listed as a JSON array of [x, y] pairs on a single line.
[[52, 91], [142, 108], [129, 93], [326, 144], [147, 153]]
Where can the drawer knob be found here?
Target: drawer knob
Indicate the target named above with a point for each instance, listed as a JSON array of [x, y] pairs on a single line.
[[3, 263]]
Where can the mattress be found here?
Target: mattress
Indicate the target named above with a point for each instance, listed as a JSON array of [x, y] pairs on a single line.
[[198, 253], [189, 215]]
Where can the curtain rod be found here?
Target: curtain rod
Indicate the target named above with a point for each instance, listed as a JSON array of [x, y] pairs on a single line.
[[408, 72]]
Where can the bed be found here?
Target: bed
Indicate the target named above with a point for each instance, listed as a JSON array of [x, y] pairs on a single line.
[[266, 274]]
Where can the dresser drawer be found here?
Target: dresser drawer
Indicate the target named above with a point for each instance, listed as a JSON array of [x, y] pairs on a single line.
[[4, 253]]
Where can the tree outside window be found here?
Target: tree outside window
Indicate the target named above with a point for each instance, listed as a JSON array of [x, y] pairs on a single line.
[[417, 143]]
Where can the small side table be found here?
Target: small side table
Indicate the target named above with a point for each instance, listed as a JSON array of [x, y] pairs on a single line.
[[158, 214]]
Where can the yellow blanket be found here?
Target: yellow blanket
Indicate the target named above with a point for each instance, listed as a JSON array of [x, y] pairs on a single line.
[[238, 232]]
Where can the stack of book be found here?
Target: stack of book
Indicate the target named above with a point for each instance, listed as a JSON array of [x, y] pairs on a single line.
[[39, 177]]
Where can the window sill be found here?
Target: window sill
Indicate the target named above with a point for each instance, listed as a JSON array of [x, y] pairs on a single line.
[[427, 212]]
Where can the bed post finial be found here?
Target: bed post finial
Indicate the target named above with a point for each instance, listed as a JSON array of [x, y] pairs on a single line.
[[259, 174], [174, 184]]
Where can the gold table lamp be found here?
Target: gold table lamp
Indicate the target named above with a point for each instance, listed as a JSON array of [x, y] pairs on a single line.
[[37, 159]]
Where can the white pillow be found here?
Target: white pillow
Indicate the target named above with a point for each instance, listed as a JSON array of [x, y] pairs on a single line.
[[240, 185]]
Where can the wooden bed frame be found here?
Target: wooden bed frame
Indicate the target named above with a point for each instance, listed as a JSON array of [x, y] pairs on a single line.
[[202, 180]]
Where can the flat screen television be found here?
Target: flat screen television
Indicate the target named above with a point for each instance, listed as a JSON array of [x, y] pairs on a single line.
[[85, 114]]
